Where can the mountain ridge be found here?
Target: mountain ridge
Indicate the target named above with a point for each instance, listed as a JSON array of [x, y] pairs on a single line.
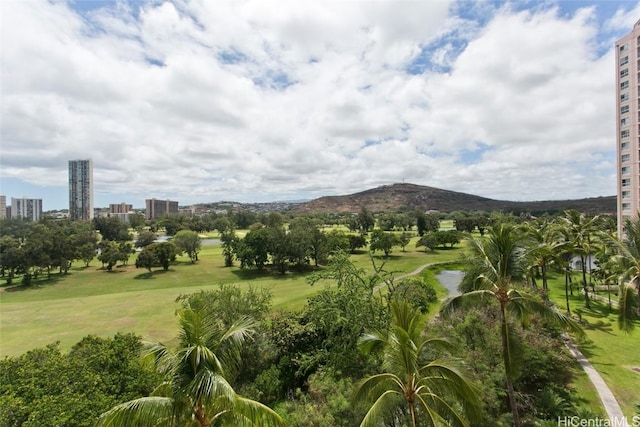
[[405, 196]]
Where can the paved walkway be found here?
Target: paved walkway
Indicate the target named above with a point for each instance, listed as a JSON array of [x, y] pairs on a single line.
[[413, 273], [611, 406], [614, 412]]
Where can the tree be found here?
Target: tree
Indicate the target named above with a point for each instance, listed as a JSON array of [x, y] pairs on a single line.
[[145, 238], [165, 253], [429, 241], [87, 243], [356, 242], [545, 246], [366, 221], [136, 221], [383, 241], [188, 241], [109, 254], [255, 248], [111, 228], [497, 263], [11, 257], [147, 259], [579, 232], [337, 240], [229, 240], [427, 222], [48, 387], [196, 390], [629, 259], [431, 389], [405, 238]]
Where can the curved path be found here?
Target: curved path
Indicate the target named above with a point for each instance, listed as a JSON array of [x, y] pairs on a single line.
[[413, 273], [614, 412], [611, 405]]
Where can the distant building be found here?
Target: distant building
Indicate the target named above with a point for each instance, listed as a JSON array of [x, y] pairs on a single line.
[[121, 208], [157, 208], [124, 217], [3, 207], [627, 132], [26, 208], [81, 190]]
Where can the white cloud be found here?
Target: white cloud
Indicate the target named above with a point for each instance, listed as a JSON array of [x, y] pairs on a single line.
[[257, 100]]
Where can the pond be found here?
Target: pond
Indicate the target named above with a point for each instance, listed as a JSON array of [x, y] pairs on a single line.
[[450, 279]]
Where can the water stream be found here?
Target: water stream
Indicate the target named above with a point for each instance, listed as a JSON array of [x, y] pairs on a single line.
[[450, 279]]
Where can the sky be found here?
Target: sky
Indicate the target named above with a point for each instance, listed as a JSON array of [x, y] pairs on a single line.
[[263, 100]]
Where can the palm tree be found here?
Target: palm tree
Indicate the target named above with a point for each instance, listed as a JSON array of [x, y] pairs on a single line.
[[629, 259], [501, 259], [545, 245], [431, 390], [580, 232], [196, 391]]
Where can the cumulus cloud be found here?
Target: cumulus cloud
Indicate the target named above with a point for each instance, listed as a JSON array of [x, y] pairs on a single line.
[[253, 100]]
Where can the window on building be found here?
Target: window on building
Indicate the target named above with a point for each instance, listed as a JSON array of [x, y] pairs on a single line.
[[624, 146], [624, 134], [624, 85], [626, 182], [626, 157], [624, 97], [624, 60], [626, 194], [624, 73], [624, 109], [626, 170], [626, 206], [623, 47], [624, 122]]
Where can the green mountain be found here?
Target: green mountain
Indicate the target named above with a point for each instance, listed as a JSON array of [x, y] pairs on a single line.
[[405, 197]]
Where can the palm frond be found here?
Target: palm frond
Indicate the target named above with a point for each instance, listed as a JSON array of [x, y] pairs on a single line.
[[212, 389], [247, 412], [478, 297], [370, 388], [143, 412], [371, 342], [512, 351], [628, 308], [378, 408], [445, 413], [551, 315]]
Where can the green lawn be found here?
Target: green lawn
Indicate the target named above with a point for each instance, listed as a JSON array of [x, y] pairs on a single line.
[[612, 352], [93, 301]]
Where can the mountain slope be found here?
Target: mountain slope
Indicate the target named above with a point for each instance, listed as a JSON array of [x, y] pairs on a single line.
[[404, 197]]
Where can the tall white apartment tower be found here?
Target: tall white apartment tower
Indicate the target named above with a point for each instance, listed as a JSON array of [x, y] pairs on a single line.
[[628, 125], [81, 190]]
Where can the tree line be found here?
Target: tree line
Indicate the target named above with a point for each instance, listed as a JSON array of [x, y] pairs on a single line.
[[359, 352]]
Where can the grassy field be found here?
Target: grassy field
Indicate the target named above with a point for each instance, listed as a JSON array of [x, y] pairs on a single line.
[[93, 301], [613, 353]]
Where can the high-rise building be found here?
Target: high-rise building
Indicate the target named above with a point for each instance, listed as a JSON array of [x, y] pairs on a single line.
[[3, 207], [81, 190], [627, 125], [120, 208], [157, 208], [26, 208]]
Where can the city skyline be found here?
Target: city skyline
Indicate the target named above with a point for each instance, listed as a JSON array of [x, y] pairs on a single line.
[[249, 103]]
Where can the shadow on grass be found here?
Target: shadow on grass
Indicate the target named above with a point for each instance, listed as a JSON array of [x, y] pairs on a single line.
[[596, 317], [39, 283], [270, 272], [151, 274]]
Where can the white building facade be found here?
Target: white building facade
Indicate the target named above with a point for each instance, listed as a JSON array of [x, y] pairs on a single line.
[[627, 125]]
